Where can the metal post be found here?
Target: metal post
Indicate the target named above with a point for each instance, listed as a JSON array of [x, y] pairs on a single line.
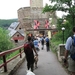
[[20, 53], [63, 33], [63, 36]]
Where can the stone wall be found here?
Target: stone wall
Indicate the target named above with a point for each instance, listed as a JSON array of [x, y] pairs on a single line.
[[36, 3], [59, 51], [24, 13], [27, 15]]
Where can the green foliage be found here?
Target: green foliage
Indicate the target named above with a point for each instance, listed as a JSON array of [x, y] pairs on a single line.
[[12, 54], [6, 23], [67, 32], [57, 36], [65, 6], [49, 8], [9, 56], [5, 42], [68, 28], [61, 5]]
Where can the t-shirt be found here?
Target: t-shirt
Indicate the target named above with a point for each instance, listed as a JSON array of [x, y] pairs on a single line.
[[68, 43], [28, 49], [36, 43]]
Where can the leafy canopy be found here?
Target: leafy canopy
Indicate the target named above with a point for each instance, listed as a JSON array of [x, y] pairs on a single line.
[[67, 6], [61, 5], [5, 42]]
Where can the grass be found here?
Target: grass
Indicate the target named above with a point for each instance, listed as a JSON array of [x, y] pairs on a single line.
[[9, 56], [12, 54]]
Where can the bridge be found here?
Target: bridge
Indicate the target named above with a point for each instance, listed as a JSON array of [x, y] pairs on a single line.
[[48, 63]]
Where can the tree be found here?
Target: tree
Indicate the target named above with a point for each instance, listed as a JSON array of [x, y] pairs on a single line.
[[67, 6], [6, 23], [5, 42]]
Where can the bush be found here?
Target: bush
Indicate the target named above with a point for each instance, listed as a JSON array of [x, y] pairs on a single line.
[[5, 42]]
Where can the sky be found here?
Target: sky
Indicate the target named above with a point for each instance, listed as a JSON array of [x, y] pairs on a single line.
[[8, 8]]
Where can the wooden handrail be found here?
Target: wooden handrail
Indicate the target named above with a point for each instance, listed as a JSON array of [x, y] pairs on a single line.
[[9, 51], [4, 53]]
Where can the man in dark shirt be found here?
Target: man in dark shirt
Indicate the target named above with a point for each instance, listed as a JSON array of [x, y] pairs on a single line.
[[30, 55]]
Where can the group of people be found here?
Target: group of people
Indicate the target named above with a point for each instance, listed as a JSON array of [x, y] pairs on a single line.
[[68, 46], [45, 40], [31, 48]]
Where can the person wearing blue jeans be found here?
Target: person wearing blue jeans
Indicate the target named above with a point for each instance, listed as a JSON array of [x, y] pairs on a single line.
[[47, 43]]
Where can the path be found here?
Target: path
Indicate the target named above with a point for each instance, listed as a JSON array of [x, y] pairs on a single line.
[[47, 65]]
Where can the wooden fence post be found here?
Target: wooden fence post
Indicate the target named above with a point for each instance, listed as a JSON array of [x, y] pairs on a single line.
[[20, 53], [5, 64]]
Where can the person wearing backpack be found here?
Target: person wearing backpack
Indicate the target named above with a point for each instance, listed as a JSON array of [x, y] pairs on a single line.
[[29, 50], [70, 53], [47, 43]]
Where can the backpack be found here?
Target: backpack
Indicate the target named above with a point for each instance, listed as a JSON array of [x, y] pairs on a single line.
[[27, 49], [72, 50], [47, 39]]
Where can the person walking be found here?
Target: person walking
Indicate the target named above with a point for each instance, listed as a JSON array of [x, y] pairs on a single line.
[[68, 57], [36, 44], [29, 50], [47, 40], [42, 42]]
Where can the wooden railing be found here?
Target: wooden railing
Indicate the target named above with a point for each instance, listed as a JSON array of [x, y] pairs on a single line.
[[4, 53]]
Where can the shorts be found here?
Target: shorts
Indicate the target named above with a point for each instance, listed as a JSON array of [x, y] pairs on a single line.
[[71, 65]]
